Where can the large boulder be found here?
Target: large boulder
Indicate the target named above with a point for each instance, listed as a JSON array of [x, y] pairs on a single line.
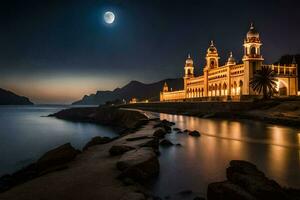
[[119, 149], [247, 176], [96, 141], [58, 156], [52, 160], [245, 181], [139, 165]]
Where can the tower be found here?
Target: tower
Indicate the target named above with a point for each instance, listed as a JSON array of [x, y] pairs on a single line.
[[252, 58], [212, 61], [212, 57], [188, 70]]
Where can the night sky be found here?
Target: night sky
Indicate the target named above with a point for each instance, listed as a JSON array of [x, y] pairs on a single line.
[[57, 51]]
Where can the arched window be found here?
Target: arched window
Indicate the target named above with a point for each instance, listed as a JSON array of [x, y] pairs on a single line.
[[253, 50], [212, 63], [225, 89], [240, 88]]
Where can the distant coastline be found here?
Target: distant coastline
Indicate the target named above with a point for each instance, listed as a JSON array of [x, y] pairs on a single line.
[[10, 98]]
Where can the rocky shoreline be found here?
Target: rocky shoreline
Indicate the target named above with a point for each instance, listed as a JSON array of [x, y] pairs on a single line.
[[117, 168], [124, 121]]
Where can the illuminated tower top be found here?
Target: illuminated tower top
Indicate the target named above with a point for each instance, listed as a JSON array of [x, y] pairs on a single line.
[[212, 56], [231, 60], [189, 67], [252, 45]]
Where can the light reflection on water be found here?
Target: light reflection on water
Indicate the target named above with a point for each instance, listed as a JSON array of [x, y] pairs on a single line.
[[25, 135], [274, 149]]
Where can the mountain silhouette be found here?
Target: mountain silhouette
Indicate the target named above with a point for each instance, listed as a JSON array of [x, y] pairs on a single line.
[[10, 98], [136, 89]]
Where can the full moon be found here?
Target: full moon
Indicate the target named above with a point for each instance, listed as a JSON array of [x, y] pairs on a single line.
[[109, 17]]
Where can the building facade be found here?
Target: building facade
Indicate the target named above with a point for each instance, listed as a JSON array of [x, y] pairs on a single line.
[[231, 81]]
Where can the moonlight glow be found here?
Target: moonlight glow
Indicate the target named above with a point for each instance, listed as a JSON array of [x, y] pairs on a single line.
[[109, 17]]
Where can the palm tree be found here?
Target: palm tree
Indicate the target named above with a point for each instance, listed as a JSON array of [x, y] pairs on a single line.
[[264, 81]]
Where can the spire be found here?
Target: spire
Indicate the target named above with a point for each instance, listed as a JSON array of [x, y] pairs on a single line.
[[165, 88], [189, 55], [230, 55], [252, 25], [294, 60], [211, 43]]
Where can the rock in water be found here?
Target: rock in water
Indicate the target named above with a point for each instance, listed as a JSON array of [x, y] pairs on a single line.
[[246, 175], [165, 124], [166, 143], [139, 165], [96, 141], [186, 131], [246, 182], [119, 149], [168, 123], [176, 129], [56, 157], [194, 133]]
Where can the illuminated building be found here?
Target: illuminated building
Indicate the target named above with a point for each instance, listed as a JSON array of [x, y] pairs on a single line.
[[231, 81]]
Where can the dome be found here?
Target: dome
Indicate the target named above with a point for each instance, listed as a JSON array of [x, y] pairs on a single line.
[[212, 48], [231, 60], [189, 60], [252, 33]]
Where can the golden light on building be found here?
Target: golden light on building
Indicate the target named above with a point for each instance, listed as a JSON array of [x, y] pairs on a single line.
[[231, 81]]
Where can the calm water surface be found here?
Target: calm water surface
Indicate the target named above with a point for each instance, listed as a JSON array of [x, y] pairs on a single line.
[[25, 134], [274, 149]]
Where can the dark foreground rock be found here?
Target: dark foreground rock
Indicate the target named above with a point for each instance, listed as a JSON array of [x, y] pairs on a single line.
[[52, 160], [58, 156], [246, 182], [139, 165], [96, 141]]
